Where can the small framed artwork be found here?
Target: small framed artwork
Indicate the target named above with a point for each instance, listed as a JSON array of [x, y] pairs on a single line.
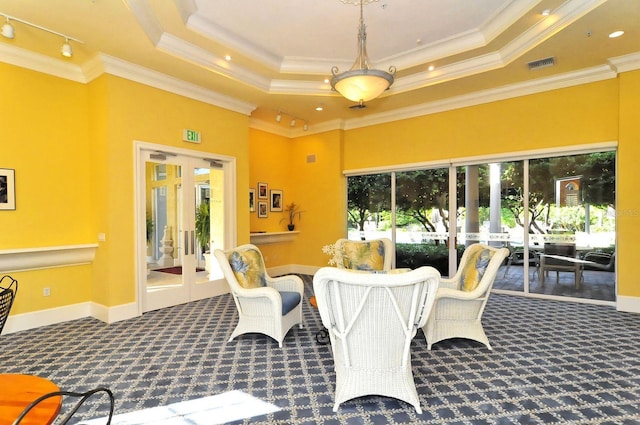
[[262, 191], [7, 189], [262, 210], [252, 200], [276, 200]]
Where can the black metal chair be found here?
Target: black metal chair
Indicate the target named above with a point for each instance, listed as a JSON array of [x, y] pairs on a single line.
[[82, 396], [7, 295]]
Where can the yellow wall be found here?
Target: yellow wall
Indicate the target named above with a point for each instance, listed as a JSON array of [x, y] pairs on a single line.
[[45, 139], [628, 177], [318, 187], [72, 146], [571, 116]]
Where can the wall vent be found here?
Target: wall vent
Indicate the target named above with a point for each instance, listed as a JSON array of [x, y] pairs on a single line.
[[542, 63]]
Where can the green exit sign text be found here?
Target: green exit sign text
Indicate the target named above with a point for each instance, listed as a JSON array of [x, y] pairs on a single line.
[[191, 136]]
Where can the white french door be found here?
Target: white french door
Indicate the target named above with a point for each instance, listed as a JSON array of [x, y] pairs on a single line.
[[185, 201]]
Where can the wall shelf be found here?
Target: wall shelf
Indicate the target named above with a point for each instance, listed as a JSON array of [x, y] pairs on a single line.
[[14, 260], [266, 238]]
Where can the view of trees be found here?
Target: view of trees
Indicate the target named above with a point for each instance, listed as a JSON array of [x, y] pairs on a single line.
[[423, 194]]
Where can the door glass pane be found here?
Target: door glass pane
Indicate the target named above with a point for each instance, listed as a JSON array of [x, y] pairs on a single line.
[[209, 221], [422, 219], [164, 245], [369, 206], [202, 219], [573, 206]]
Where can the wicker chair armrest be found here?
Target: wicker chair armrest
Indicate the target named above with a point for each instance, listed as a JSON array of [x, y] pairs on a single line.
[[448, 283], [291, 283], [456, 294]]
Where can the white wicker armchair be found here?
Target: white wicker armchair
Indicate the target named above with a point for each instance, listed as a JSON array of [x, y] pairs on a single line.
[[266, 305], [460, 301], [371, 319], [376, 254]]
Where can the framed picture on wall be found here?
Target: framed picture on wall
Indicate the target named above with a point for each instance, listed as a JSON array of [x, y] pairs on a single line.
[[252, 200], [276, 200], [7, 189], [262, 210], [262, 191]]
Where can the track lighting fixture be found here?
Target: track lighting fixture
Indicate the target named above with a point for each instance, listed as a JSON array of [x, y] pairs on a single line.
[[8, 31], [66, 49], [293, 119]]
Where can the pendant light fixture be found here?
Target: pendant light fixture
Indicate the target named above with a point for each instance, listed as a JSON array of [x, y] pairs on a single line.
[[361, 83]]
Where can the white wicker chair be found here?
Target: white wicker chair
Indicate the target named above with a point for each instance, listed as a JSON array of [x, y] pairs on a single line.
[[460, 301], [376, 254], [259, 297], [371, 319]]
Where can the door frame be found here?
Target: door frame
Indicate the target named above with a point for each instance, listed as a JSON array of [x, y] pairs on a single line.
[[230, 200]]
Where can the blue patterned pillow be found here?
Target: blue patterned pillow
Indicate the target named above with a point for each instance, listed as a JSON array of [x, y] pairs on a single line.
[[474, 269], [248, 268]]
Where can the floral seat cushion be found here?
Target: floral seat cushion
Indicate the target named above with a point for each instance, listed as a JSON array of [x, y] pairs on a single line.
[[474, 269], [360, 255], [248, 268]]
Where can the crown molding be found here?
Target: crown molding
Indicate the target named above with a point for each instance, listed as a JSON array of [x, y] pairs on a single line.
[[214, 32], [41, 63], [176, 46], [590, 75], [626, 63], [566, 14], [139, 74], [290, 133]]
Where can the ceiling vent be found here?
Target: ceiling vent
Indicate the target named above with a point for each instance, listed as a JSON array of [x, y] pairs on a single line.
[[541, 63]]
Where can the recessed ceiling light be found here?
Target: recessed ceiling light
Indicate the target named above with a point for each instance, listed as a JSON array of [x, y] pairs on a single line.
[[319, 108], [546, 12], [326, 81], [227, 57], [431, 68], [616, 34]]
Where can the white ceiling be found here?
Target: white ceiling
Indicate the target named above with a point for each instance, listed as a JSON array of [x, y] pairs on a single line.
[[282, 50]]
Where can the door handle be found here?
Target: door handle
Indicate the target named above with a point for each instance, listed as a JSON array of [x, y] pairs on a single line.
[[186, 243], [193, 243]]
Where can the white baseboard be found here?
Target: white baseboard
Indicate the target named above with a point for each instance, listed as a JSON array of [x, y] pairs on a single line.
[[25, 321], [628, 304], [35, 319], [114, 314]]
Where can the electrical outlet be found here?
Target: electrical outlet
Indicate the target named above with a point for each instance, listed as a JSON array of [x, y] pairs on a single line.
[[46, 292]]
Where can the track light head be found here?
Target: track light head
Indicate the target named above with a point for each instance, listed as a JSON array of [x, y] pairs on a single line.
[[7, 30], [293, 123], [305, 127], [66, 49], [279, 117]]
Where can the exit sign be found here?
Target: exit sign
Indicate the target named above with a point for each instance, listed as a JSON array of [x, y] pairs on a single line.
[[191, 136]]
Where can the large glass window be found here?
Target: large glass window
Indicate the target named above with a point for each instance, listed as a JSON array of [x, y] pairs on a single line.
[[556, 215]]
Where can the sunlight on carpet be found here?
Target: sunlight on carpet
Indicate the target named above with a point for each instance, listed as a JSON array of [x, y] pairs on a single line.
[[217, 409]]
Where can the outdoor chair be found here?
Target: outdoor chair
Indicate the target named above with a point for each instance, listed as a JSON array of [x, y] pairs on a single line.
[[83, 397], [376, 254], [600, 261], [371, 319], [461, 300], [8, 293], [266, 305]]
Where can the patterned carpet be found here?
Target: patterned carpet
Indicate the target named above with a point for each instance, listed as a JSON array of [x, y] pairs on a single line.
[[552, 362]]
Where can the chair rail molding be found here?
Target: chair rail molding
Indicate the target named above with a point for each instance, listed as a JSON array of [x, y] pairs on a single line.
[[23, 259]]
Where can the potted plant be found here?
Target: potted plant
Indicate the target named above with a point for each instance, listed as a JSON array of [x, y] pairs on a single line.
[[203, 226], [292, 210]]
